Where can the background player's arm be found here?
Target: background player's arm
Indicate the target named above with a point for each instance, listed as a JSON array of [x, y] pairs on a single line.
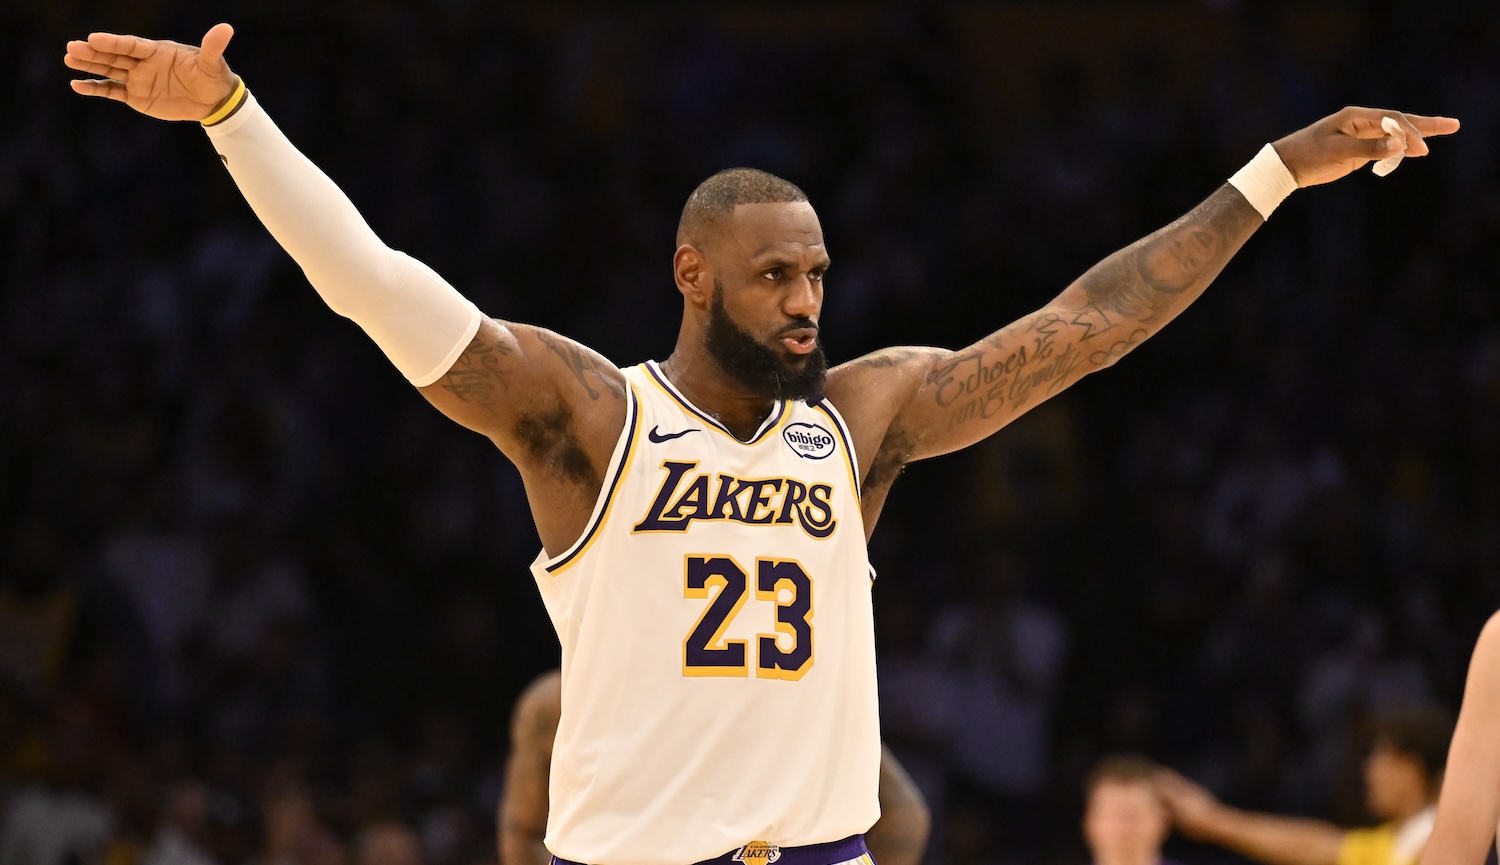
[[1265, 837], [908, 404], [554, 407], [1469, 806], [899, 837], [521, 821]]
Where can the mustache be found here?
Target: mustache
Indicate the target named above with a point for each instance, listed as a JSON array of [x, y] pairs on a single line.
[[800, 324]]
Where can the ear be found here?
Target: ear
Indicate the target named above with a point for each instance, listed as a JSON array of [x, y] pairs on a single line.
[[691, 272]]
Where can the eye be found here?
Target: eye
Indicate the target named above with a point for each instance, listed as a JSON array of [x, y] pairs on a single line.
[[816, 275], [773, 274]]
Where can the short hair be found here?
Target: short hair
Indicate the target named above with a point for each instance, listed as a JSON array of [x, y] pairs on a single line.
[[712, 203], [1419, 732], [1120, 769]]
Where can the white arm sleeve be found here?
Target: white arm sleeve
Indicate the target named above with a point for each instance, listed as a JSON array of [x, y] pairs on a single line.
[[420, 321]]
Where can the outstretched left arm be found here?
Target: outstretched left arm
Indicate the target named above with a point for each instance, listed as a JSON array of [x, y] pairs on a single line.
[[907, 404]]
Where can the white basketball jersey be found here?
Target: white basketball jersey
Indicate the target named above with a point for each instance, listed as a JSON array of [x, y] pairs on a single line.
[[718, 652]]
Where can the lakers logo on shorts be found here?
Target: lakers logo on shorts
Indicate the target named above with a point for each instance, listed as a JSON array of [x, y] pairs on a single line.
[[757, 853]]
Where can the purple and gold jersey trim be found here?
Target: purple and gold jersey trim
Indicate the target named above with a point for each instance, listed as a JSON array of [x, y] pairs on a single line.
[[631, 433], [848, 851], [771, 422]]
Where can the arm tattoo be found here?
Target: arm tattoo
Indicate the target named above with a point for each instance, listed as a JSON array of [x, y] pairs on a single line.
[[582, 364], [980, 384], [1105, 314], [1125, 298], [475, 376], [1149, 278]]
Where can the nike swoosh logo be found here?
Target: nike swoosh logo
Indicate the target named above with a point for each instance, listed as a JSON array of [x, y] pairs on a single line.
[[660, 437]]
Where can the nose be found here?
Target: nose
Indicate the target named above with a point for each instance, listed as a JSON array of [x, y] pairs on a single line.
[[804, 298]]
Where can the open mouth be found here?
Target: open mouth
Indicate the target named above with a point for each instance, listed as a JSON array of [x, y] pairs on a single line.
[[801, 340]]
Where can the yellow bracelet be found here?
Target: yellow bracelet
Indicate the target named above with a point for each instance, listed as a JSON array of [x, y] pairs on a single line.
[[228, 108]]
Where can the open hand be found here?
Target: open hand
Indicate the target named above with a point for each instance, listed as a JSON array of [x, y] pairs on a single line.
[[159, 78], [1194, 810], [1343, 142]]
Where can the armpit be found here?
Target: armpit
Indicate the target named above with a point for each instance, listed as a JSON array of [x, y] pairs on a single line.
[[550, 441]]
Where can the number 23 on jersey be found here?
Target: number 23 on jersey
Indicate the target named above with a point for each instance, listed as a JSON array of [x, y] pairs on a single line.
[[705, 652]]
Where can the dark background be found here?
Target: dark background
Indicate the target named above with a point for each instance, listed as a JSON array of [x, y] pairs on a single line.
[[254, 587]]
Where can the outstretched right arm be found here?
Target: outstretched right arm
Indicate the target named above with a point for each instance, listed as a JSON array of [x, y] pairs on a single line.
[[554, 407]]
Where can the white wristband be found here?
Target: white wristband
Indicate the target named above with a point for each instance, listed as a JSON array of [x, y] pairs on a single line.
[[420, 321], [1265, 181]]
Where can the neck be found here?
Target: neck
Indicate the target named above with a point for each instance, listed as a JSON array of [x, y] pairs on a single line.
[[706, 386]]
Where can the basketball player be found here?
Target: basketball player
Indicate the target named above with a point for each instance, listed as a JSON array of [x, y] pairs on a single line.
[[899, 837], [703, 519], [1124, 819], [1469, 806], [1402, 774]]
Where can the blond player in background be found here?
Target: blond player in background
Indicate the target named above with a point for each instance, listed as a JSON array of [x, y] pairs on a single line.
[[1469, 806], [1125, 821], [899, 837]]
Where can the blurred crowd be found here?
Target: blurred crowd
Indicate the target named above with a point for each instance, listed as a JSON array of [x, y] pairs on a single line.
[[260, 603]]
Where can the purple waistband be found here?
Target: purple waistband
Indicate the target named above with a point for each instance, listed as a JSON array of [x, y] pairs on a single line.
[[827, 853]]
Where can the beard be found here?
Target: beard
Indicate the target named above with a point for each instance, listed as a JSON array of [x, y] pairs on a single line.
[[756, 365]]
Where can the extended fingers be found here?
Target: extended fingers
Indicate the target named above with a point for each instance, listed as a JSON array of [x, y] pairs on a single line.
[[1432, 125], [1377, 133], [87, 53], [104, 70], [1417, 127], [105, 89], [115, 43]]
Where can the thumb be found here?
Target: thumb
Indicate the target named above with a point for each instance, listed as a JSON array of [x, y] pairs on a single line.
[[214, 43]]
